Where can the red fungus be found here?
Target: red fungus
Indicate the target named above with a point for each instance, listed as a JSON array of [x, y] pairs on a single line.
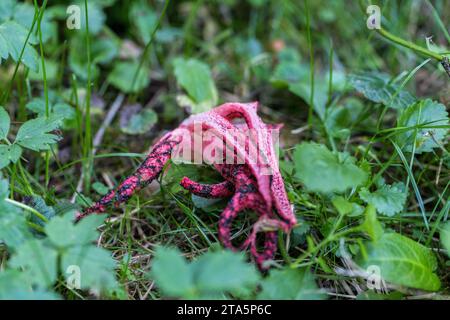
[[252, 180]]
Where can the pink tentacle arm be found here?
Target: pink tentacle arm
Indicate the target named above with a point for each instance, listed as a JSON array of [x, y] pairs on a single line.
[[146, 173], [219, 190]]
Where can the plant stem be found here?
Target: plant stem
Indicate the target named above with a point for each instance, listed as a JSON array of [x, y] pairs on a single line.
[[410, 45], [87, 145], [311, 63]]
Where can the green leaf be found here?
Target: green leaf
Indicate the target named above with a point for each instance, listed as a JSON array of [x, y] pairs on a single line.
[[24, 15], [95, 264], [403, 261], [122, 77], [342, 205], [58, 110], [63, 233], [13, 228], [371, 224], [290, 284], [12, 38], [96, 17], [387, 199], [378, 88], [423, 113], [210, 276], [5, 123], [445, 237], [38, 260], [195, 77], [140, 122], [8, 154], [172, 273], [34, 134], [143, 19], [224, 271], [323, 171], [15, 285]]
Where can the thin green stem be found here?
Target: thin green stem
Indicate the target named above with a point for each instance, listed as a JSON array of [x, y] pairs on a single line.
[[87, 146], [421, 50], [311, 63]]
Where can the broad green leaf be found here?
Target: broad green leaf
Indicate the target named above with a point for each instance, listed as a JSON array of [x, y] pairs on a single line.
[[423, 113], [342, 205], [62, 232], [122, 77], [8, 154], [5, 123], [445, 237], [34, 134], [387, 199], [144, 19], [403, 261], [6, 9], [210, 276], [96, 17], [51, 72], [141, 122], [290, 284], [12, 39], [195, 77], [13, 228], [371, 225], [15, 285], [103, 51], [95, 266], [58, 110], [172, 273], [224, 271], [24, 15], [38, 260], [378, 88], [320, 170]]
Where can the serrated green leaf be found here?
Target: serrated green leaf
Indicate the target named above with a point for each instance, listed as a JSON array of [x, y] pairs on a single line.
[[403, 261], [96, 17], [12, 39], [5, 123], [387, 199], [15, 285], [95, 265], [172, 273], [8, 154], [378, 88], [34, 134], [423, 113], [141, 122], [323, 171], [143, 19], [62, 232], [58, 110], [38, 260], [13, 228], [224, 271], [122, 77], [210, 276], [195, 77], [290, 284]]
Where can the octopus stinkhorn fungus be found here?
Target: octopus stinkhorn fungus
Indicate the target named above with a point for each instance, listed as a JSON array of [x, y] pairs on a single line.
[[233, 139]]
